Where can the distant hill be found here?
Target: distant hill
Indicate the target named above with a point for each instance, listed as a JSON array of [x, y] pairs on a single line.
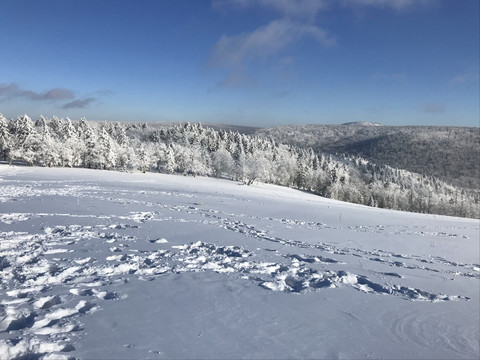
[[362, 123], [449, 153]]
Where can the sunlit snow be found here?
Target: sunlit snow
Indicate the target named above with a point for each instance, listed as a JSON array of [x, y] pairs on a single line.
[[106, 265]]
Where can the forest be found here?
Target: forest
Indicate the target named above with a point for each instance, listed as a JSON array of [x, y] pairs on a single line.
[[446, 152], [192, 149]]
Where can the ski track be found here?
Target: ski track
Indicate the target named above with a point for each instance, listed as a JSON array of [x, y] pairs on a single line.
[[48, 284]]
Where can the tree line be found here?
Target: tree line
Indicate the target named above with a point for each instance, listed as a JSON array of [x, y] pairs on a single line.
[[192, 149]]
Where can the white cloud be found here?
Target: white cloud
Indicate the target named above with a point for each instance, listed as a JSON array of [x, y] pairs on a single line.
[[264, 42], [297, 21], [235, 52]]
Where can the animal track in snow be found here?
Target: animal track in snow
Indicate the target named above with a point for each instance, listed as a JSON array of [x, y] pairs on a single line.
[[290, 277]]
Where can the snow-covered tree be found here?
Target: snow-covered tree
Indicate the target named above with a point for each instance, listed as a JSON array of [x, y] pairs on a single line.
[[144, 158], [222, 163], [170, 164], [5, 138], [106, 150], [47, 153], [24, 140], [90, 153], [191, 149], [239, 159], [257, 168]]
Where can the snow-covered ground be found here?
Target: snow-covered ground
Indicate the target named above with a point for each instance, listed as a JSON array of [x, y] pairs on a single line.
[[106, 265]]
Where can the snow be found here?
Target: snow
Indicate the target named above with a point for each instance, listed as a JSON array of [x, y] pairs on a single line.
[[363, 123], [99, 264]]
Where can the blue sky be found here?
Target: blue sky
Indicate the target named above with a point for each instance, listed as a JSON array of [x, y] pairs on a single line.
[[246, 62]]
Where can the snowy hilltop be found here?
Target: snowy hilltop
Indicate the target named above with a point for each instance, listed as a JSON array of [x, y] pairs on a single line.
[[191, 149], [362, 123], [110, 265]]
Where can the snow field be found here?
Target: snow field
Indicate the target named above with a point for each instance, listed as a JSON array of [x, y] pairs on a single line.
[[82, 250]]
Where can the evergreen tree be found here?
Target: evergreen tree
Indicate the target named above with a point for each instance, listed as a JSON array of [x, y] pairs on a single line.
[[5, 138], [47, 153], [239, 163], [24, 140], [170, 164], [89, 139], [106, 150]]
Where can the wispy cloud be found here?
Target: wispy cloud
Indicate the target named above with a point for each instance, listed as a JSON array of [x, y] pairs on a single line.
[[8, 89], [53, 94], [233, 52], [432, 108], [12, 90], [79, 103], [265, 41], [297, 21]]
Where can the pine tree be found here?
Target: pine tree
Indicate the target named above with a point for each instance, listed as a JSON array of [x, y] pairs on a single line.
[[170, 164], [106, 150], [67, 130], [239, 163], [24, 138], [143, 158], [120, 134], [89, 140], [56, 126], [5, 138], [47, 154]]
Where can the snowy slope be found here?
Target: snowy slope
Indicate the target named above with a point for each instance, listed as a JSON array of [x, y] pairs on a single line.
[[105, 265]]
